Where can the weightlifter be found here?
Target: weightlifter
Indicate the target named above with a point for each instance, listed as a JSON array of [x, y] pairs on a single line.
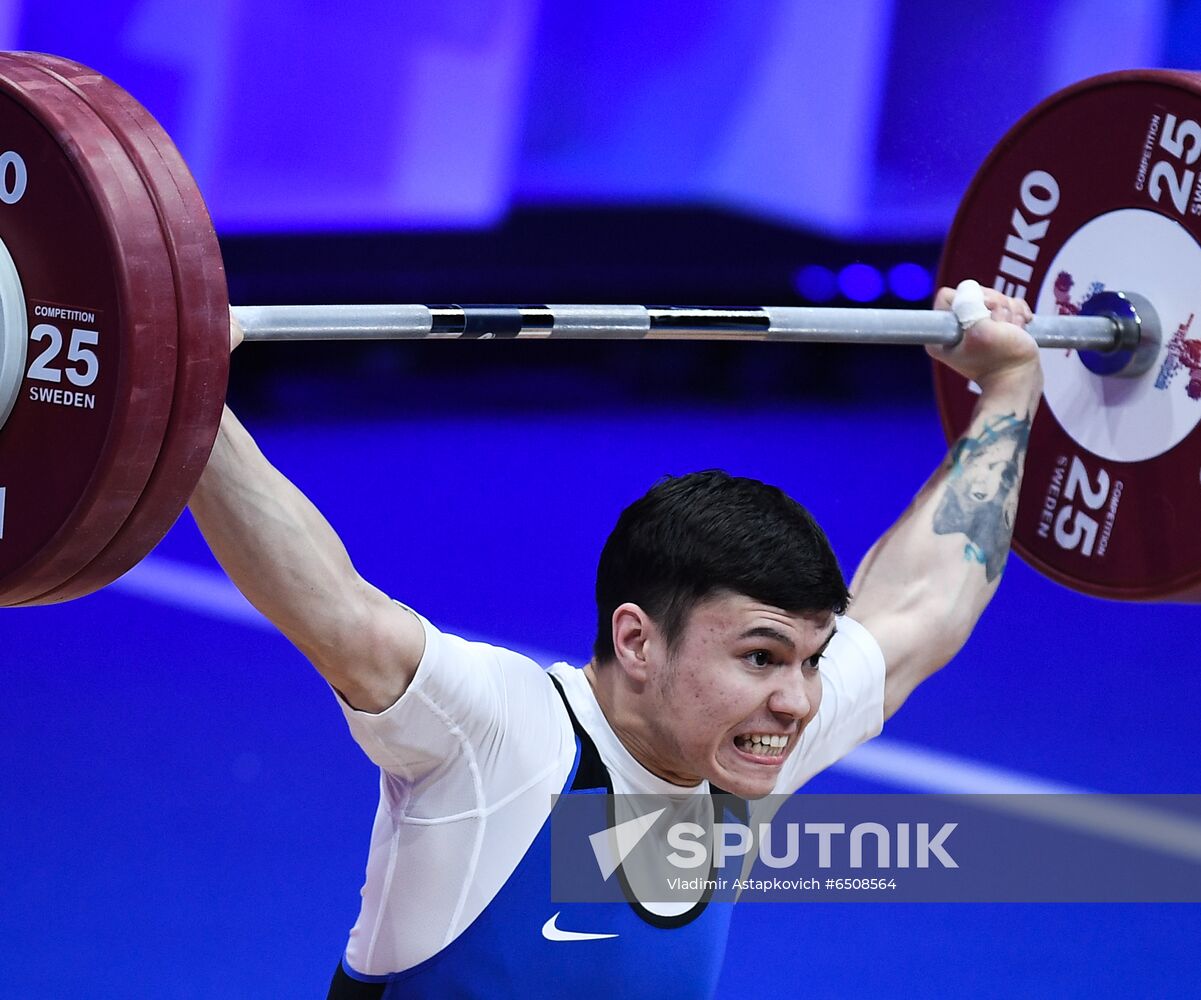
[[729, 653]]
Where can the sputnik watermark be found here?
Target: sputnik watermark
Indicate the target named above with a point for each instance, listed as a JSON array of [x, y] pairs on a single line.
[[690, 843], [688, 850]]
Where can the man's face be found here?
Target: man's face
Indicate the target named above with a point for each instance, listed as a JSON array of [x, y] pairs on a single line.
[[985, 473], [742, 677]]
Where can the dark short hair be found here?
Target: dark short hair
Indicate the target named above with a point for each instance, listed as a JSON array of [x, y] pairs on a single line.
[[692, 536]]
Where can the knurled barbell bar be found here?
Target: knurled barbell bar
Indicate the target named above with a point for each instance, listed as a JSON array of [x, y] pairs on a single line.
[[1114, 326], [114, 341]]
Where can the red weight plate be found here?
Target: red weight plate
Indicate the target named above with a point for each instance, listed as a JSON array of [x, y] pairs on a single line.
[[85, 432], [1098, 188], [203, 324]]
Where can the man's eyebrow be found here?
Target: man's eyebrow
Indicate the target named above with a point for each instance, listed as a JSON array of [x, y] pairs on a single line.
[[829, 638], [767, 632]]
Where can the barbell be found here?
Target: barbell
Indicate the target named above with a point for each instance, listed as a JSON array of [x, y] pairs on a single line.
[[114, 328]]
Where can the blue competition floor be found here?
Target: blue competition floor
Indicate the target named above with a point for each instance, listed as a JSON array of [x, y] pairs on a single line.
[[184, 815]]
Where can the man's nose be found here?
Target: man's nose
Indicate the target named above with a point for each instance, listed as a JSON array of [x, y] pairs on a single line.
[[795, 694]]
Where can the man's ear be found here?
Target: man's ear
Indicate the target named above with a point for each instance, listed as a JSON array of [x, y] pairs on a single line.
[[634, 639]]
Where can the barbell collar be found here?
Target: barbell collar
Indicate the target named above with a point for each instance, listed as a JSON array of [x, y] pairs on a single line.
[[1139, 334], [797, 324]]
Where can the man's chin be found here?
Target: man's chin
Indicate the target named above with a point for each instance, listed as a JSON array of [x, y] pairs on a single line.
[[746, 786]]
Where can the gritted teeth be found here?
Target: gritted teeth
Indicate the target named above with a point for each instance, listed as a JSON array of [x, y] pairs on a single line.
[[762, 744]]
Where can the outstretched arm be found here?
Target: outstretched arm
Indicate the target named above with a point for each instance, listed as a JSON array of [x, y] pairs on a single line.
[[284, 556], [921, 588]]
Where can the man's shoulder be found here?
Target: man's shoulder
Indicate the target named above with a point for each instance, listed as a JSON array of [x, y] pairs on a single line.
[[853, 649]]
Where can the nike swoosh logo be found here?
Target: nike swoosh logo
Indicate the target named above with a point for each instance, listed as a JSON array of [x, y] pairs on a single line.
[[552, 933]]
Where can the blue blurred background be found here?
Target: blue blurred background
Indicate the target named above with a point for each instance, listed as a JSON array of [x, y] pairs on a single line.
[[862, 119], [182, 812]]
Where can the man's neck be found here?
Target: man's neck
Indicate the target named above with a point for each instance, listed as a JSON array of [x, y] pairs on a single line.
[[629, 727]]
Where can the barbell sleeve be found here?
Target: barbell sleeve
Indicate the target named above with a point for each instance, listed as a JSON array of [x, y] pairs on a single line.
[[799, 324]]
